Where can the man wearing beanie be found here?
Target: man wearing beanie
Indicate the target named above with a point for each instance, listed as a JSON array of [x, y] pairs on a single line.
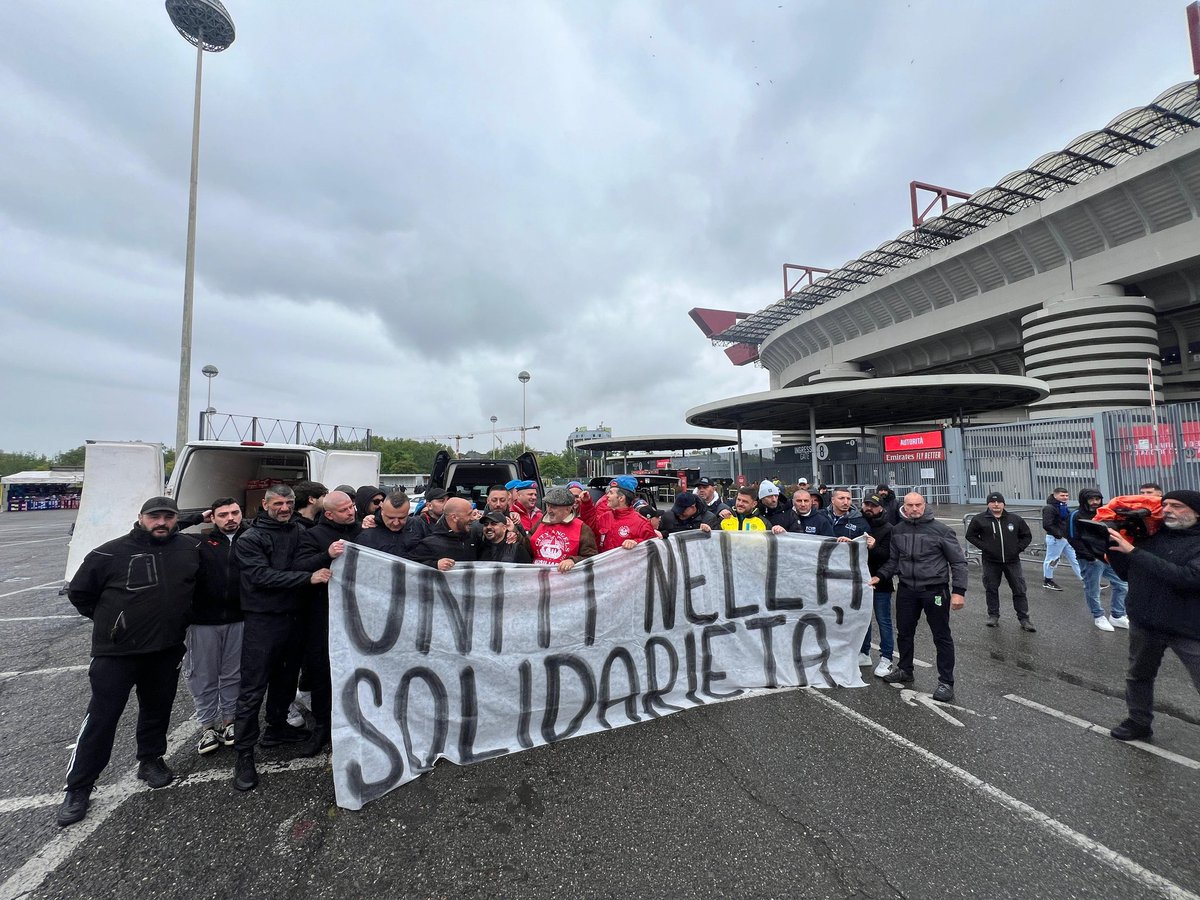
[[779, 516], [1001, 537], [688, 513], [1163, 573], [614, 520]]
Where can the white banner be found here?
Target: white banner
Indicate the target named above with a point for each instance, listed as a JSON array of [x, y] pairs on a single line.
[[489, 659]]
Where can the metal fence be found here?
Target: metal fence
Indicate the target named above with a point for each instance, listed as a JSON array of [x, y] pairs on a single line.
[[1028, 460], [1134, 454]]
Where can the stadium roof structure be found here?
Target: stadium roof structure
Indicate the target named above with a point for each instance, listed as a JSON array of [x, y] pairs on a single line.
[[1174, 112], [664, 442]]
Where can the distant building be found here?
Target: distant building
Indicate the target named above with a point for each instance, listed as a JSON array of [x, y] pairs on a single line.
[[583, 433]]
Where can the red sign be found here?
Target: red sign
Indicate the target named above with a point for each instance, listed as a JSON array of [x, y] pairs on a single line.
[[918, 440], [661, 463], [683, 481], [1140, 450], [914, 455], [741, 481]]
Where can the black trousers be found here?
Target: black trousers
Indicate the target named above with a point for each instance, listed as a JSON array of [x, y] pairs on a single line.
[[316, 663], [1011, 572], [935, 603], [272, 648], [1146, 649], [155, 677]]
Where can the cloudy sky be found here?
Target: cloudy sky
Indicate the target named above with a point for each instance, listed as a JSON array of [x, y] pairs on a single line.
[[404, 204]]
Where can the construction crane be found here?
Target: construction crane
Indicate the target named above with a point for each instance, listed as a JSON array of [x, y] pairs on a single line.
[[496, 431], [457, 438]]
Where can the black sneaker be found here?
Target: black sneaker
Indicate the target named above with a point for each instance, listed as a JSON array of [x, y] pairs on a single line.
[[274, 735], [899, 676], [1049, 585], [943, 693], [74, 807], [155, 772], [1026, 625], [1130, 730], [245, 776], [315, 744], [993, 621]]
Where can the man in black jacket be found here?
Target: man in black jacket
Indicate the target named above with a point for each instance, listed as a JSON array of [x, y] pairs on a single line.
[[1054, 523], [390, 533], [319, 547], [500, 540], [138, 592], [809, 517], [1164, 605], [879, 551], [1095, 567], [274, 602], [779, 516], [213, 663], [932, 569], [451, 539], [1001, 537], [688, 513]]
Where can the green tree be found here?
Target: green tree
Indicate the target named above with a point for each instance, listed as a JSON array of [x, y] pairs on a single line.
[[11, 463], [72, 457]]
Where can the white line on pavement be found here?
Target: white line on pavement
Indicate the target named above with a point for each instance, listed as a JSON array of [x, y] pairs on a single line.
[[33, 588], [1100, 729], [22, 543], [37, 618], [35, 801], [38, 868], [53, 671], [1123, 864], [916, 662]]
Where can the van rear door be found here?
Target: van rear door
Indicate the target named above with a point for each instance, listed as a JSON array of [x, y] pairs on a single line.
[[353, 467], [527, 470], [441, 464], [118, 477]]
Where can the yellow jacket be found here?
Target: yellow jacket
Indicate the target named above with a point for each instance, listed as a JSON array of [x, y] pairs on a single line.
[[751, 522]]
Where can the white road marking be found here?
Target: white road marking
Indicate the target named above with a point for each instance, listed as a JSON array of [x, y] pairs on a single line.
[[916, 662], [38, 618], [53, 671], [33, 588], [6, 544], [1100, 729], [1122, 864], [109, 792]]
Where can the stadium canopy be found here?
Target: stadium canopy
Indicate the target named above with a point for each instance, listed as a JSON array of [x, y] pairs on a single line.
[[655, 442], [1174, 112]]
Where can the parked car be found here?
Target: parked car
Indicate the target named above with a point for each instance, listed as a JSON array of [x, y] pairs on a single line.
[[471, 478]]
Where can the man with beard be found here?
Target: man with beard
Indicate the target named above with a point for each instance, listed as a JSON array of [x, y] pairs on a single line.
[[451, 540], [891, 506], [1164, 611], [367, 500], [744, 516], [1094, 567], [390, 533], [1001, 536], [879, 550], [138, 592], [780, 517], [499, 499], [213, 664], [932, 569], [309, 495], [422, 523], [560, 538], [688, 513], [319, 547], [706, 490], [809, 518], [500, 540], [275, 603], [614, 520]]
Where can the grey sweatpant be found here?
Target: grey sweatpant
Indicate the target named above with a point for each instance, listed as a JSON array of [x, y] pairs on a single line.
[[213, 668]]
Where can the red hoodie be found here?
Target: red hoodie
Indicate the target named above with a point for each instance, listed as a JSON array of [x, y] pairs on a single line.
[[614, 527], [529, 519]]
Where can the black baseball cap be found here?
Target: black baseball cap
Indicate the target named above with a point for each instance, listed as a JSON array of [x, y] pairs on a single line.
[[494, 515], [160, 504]]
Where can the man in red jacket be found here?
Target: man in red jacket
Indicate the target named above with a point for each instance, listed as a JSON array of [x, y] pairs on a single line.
[[614, 519], [524, 502], [560, 538]]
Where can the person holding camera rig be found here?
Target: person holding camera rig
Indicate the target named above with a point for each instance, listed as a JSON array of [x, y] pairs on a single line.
[[1163, 573]]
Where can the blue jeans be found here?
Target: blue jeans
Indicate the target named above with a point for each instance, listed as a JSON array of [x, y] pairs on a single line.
[[1055, 547], [883, 615], [1093, 569]]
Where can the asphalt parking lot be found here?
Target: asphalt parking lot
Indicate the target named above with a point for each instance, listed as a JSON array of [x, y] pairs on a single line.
[[865, 793]]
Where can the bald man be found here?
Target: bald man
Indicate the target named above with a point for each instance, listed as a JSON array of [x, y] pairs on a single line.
[[933, 580], [451, 540]]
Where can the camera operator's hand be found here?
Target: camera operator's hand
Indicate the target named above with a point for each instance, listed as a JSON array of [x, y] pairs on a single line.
[[1117, 542]]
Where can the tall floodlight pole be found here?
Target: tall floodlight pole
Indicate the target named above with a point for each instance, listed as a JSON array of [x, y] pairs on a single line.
[[493, 437], [210, 372], [523, 377], [206, 25]]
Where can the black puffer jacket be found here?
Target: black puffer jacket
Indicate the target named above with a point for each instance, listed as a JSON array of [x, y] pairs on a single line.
[[783, 515], [442, 543], [999, 539], [925, 554], [1164, 581], [313, 552], [271, 583], [397, 543], [881, 532], [138, 591], [218, 589], [1054, 518], [1082, 550], [670, 523]]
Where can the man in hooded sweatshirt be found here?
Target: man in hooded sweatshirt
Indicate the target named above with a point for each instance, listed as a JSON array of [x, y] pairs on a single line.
[[367, 500], [614, 520], [1055, 515], [932, 569], [1164, 608], [688, 513], [780, 516], [1095, 567]]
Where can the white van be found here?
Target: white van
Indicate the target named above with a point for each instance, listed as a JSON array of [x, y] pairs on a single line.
[[119, 476]]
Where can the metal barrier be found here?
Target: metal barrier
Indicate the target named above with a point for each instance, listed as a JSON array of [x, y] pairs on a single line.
[[1135, 454]]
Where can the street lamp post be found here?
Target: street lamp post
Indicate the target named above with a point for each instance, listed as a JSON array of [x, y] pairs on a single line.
[[206, 25], [210, 372], [523, 377], [493, 437]]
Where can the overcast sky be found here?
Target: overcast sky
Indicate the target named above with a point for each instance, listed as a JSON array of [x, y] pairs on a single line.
[[402, 205]]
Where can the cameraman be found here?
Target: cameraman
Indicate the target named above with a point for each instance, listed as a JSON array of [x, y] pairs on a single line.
[[1164, 605]]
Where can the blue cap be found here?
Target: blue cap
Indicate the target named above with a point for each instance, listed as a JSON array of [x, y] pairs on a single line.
[[578, 484], [625, 483], [517, 485]]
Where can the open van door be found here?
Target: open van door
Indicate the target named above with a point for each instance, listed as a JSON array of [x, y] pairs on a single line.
[[527, 470], [353, 467], [118, 477], [441, 464]]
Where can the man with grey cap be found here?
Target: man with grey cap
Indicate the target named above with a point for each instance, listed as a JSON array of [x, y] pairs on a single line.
[[1001, 536], [138, 592], [1163, 572], [560, 538]]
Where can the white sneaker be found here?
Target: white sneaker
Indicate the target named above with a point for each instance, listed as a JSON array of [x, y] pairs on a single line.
[[301, 705], [864, 659], [884, 667], [209, 741], [1119, 621], [1103, 624]]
